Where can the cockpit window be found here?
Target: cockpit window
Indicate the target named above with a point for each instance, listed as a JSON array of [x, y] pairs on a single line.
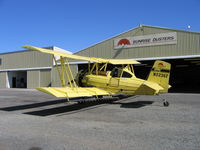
[[126, 75], [116, 72]]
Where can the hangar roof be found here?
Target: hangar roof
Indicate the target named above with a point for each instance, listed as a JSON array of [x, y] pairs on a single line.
[[49, 47], [169, 29], [140, 26], [186, 43]]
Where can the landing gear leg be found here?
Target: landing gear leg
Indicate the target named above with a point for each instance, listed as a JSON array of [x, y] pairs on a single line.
[[165, 103]]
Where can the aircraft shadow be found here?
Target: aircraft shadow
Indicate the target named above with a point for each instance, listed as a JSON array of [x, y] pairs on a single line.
[[57, 109], [136, 104], [74, 107], [34, 105]]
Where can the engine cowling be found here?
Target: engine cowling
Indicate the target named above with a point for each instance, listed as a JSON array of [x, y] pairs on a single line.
[[79, 77]]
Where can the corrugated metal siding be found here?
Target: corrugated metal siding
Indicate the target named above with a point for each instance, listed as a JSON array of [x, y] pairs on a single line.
[[33, 78], [25, 59], [45, 78], [188, 43], [55, 80], [3, 79]]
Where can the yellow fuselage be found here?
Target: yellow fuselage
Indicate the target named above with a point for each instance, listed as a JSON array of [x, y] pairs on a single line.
[[119, 85]]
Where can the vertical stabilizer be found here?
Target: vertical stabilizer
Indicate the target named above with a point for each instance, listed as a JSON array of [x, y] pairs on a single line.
[[160, 74]]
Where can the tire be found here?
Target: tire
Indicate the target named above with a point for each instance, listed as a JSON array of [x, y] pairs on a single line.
[[166, 103]]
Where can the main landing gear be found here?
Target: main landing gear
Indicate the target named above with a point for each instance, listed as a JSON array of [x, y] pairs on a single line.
[[98, 100]]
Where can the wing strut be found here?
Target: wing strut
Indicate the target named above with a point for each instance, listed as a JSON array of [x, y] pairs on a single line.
[[70, 71], [62, 80], [65, 71], [63, 68]]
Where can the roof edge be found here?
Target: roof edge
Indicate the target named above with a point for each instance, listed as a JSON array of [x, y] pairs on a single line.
[[19, 51], [167, 57], [166, 28]]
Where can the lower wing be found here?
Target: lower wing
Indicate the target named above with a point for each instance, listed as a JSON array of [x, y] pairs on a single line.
[[69, 92]]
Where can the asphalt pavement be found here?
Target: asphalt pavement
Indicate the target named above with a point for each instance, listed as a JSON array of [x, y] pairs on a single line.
[[31, 120]]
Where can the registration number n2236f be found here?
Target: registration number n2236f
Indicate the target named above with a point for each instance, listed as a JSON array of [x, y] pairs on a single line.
[[160, 75]]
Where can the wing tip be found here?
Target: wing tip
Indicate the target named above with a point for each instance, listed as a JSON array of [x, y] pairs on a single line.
[[27, 46]]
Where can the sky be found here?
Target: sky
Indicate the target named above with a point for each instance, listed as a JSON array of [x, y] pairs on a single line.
[[77, 24]]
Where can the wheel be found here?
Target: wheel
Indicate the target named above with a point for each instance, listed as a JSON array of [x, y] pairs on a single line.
[[166, 103]]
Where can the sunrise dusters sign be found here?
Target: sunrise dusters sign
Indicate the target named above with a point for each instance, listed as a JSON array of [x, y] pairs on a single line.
[[146, 40]]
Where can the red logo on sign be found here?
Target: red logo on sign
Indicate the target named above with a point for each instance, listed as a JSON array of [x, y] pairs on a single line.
[[124, 42]]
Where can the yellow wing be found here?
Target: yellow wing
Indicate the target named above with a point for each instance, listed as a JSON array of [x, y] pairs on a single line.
[[73, 92], [91, 59]]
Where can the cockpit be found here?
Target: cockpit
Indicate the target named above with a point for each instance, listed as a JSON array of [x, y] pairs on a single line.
[[119, 72]]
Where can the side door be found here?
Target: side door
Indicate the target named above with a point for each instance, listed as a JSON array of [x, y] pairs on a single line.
[[115, 77], [126, 83], [114, 82]]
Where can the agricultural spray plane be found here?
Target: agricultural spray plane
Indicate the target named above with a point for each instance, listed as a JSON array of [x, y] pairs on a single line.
[[98, 81]]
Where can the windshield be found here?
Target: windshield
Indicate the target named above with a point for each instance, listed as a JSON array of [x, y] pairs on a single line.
[[116, 72]]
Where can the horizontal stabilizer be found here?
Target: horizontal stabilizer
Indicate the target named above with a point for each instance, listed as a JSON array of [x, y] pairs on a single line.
[[73, 92], [148, 88], [154, 87]]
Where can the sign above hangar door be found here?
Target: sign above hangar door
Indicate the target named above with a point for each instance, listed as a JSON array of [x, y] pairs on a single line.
[[146, 40]]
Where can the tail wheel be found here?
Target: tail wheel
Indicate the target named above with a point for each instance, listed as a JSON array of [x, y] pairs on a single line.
[[166, 103]]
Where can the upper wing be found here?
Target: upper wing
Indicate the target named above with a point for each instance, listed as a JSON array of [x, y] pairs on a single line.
[[122, 61], [91, 59]]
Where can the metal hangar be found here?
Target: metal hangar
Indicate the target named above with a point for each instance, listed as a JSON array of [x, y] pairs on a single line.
[[148, 43], [26, 69], [144, 43]]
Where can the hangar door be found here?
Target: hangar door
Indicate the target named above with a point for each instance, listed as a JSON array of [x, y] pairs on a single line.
[[184, 76], [33, 78], [38, 78], [17, 79]]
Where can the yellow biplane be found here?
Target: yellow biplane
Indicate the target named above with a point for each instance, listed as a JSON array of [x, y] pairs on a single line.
[[98, 81]]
